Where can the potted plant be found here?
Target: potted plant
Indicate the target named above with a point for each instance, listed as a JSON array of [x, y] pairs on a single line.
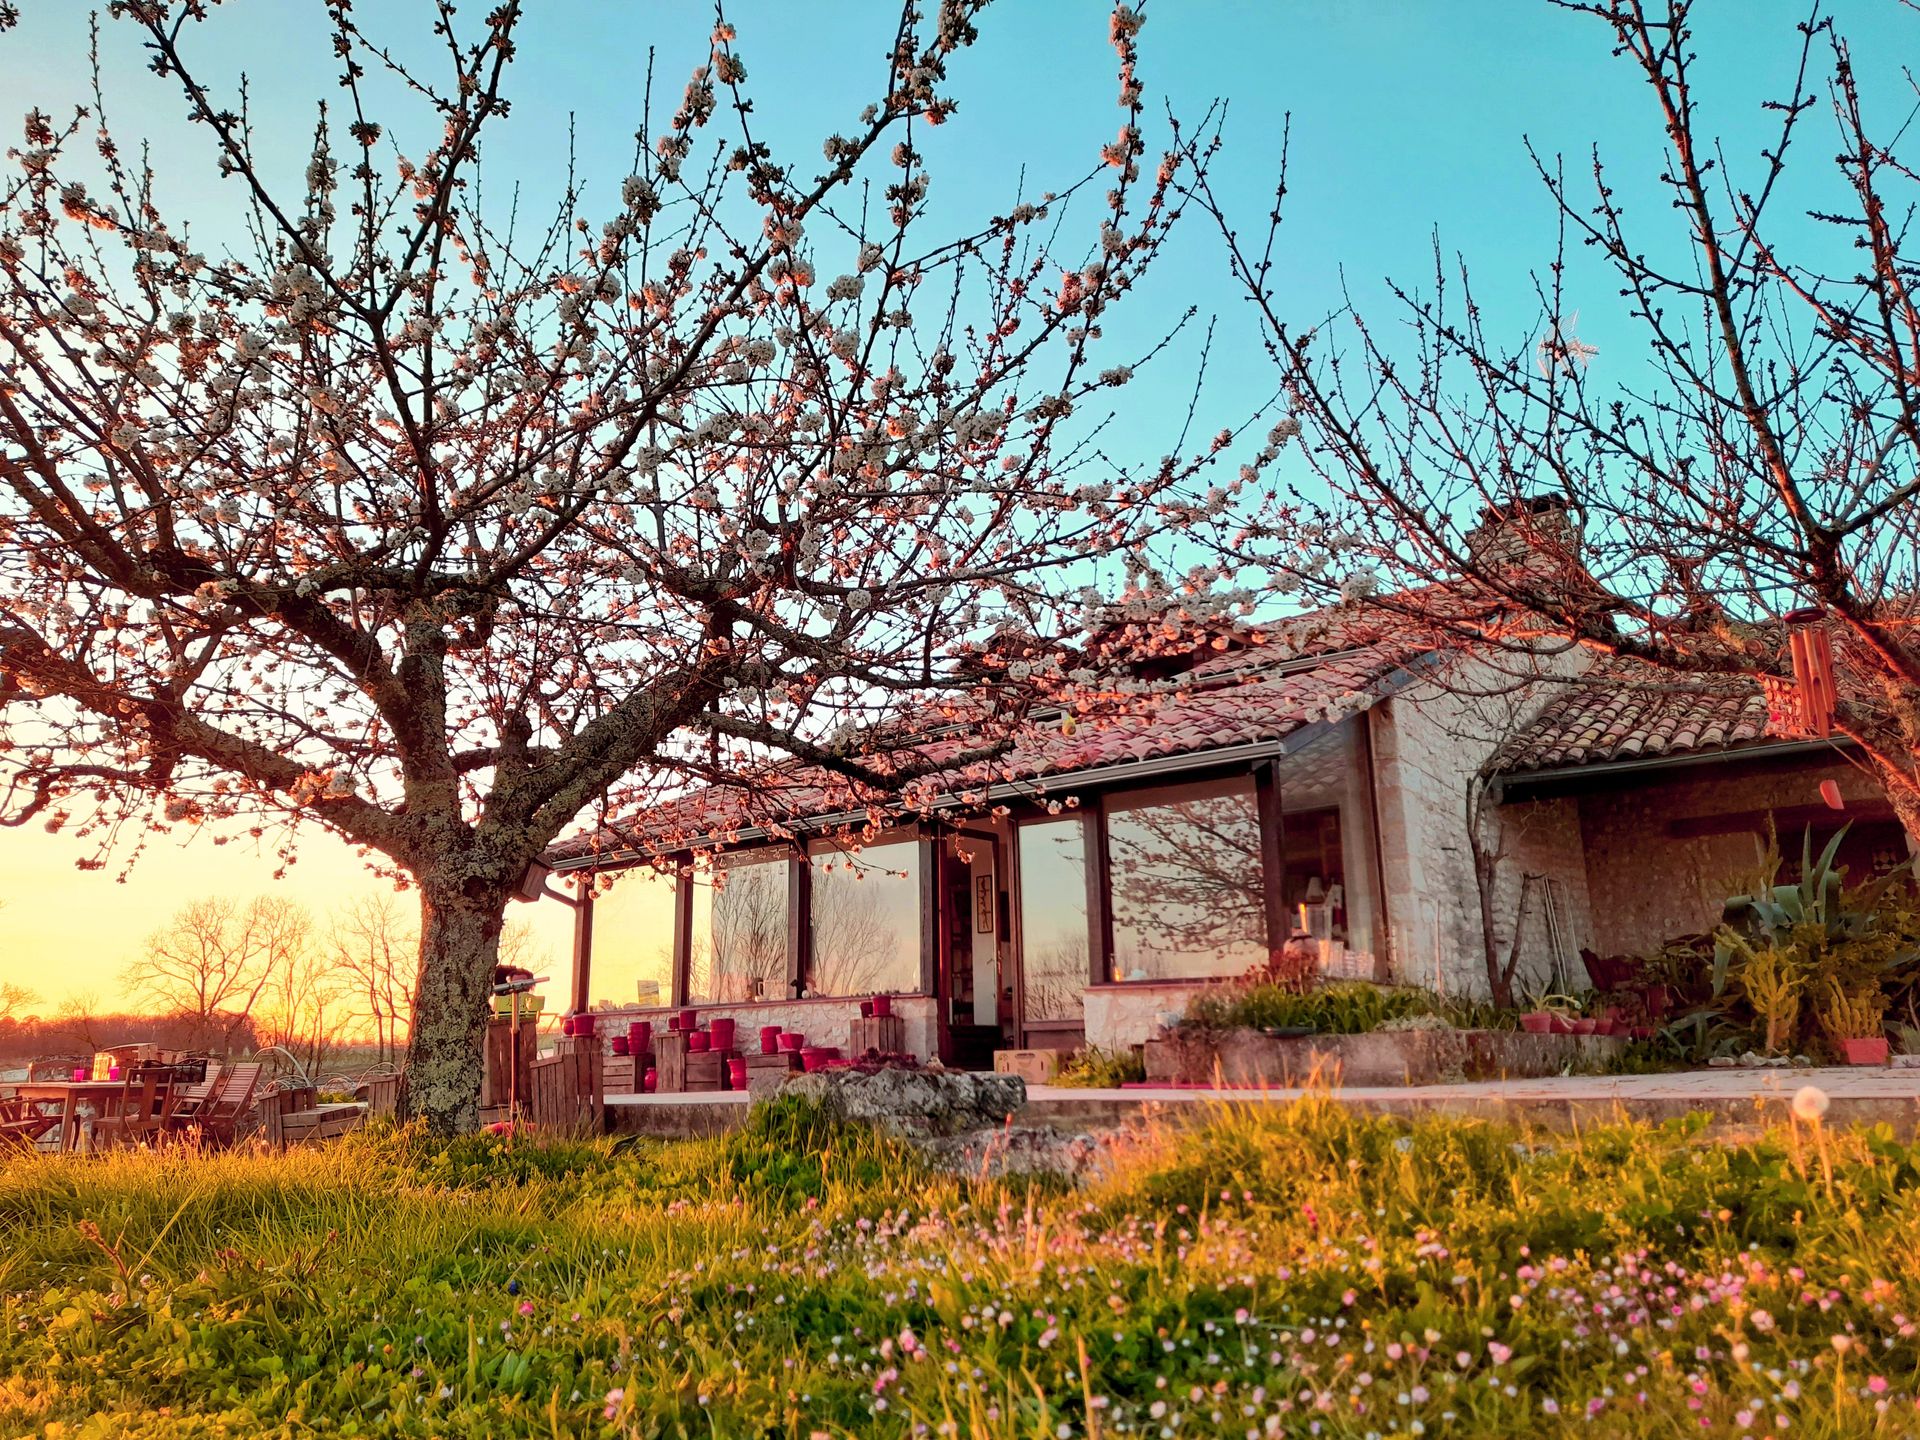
[[1853, 1019]]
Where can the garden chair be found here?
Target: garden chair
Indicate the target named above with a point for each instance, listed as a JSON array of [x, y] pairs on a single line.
[[217, 1118], [22, 1125], [146, 1105]]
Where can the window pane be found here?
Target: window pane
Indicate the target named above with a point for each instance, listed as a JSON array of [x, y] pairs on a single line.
[[740, 930], [1184, 866], [632, 962], [1054, 934], [866, 920], [1326, 812]]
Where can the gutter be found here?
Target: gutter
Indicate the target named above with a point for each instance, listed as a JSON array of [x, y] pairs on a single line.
[[1532, 784]]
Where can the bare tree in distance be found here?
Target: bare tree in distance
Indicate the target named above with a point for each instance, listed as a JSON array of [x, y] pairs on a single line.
[[1766, 462], [215, 959], [437, 524], [374, 946]]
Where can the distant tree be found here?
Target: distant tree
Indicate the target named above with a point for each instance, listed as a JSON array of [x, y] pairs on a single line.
[[16, 999], [300, 1006], [376, 949], [436, 524], [212, 963]]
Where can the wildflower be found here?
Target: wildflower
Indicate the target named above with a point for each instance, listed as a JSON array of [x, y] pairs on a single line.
[[1810, 1102], [614, 1401]]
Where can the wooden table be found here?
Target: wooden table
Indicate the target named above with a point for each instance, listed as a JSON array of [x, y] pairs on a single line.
[[104, 1095]]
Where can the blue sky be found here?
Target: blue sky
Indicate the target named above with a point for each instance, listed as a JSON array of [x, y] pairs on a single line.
[[1409, 117]]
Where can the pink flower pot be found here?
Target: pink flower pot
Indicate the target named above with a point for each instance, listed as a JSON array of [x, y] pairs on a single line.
[[812, 1058], [792, 1041], [769, 1039], [583, 1023], [882, 1006], [1537, 1022], [1584, 1025], [1603, 1026], [620, 1045], [722, 1028], [650, 1081], [79, 1072], [1872, 1051], [737, 1074], [689, 1019], [639, 1038], [1559, 1025], [698, 1041]]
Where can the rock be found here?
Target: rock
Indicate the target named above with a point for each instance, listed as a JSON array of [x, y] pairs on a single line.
[[1723, 1062], [1904, 1062], [910, 1103], [1014, 1152]]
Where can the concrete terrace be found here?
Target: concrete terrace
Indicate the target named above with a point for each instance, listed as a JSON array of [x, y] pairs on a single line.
[[1735, 1100]]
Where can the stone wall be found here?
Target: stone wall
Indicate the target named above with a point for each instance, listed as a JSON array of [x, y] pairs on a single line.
[[1122, 1016], [1648, 884], [822, 1021], [1429, 741]]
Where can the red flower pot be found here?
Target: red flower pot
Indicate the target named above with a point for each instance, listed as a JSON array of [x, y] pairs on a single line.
[[650, 1081], [792, 1041], [639, 1038], [1536, 1022], [1584, 1025], [769, 1039], [1872, 1051], [1559, 1025], [566, 1024], [737, 1074], [583, 1023], [1603, 1026], [866, 1009], [620, 1046], [689, 1019], [722, 1028], [698, 1041], [882, 1006], [812, 1058]]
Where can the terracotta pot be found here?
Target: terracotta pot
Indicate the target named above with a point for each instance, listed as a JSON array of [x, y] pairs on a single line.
[[689, 1019], [1584, 1025], [769, 1039], [737, 1074], [1871, 1051], [722, 1028], [583, 1023], [650, 1081], [1559, 1025], [698, 1041], [882, 1006], [792, 1042], [1537, 1022], [620, 1045]]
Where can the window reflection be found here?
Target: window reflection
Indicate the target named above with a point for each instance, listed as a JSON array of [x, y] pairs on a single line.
[[633, 941], [1184, 867], [739, 949], [866, 919], [1053, 918]]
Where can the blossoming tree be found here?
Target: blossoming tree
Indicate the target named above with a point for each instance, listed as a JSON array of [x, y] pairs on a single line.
[[1751, 464], [435, 524]]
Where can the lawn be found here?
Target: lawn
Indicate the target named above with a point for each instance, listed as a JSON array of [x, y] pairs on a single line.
[[1273, 1272]]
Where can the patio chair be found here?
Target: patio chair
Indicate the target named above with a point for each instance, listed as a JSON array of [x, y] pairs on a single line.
[[146, 1105], [230, 1096], [22, 1125]]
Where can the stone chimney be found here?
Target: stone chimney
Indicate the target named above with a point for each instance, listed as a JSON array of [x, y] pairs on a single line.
[[1535, 529]]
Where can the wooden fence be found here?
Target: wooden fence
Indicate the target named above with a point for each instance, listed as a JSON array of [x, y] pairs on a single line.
[[565, 1092]]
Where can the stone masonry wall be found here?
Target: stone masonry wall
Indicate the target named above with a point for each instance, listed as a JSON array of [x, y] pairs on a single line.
[[1649, 885], [1429, 741]]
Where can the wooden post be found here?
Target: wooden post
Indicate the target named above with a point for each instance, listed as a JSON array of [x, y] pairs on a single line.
[[929, 914], [582, 947], [799, 922], [1273, 855], [682, 930], [1099, 895]]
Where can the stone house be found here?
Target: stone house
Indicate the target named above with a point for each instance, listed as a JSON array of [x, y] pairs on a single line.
[[1307, 777]]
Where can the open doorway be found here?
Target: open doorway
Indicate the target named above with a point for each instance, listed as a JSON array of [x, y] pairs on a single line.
[[976, 991]]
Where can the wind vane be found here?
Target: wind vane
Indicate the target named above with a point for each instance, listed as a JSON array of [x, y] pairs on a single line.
[[1560, 349]]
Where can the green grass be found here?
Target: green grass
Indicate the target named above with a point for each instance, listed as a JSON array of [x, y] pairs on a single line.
[[1272, 1270], [1343, 1007]]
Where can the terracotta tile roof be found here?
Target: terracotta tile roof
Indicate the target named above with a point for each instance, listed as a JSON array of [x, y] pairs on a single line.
[[1622, 710], [1264, 692]]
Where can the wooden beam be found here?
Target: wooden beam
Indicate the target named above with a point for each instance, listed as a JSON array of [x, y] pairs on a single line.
[[799, 923], [1273, 854], [582, 946], [1785, 818], [682, 930], [930, 848], [1099, 894]]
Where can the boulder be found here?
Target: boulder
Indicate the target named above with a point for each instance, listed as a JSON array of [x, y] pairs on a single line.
[[909, 1103]]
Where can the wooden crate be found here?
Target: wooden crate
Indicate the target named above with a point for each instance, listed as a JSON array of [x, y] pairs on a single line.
[[1036, 1067], [622, 1075], [670, 1061], [703, 1072], [780, 1060], [885, 1033]]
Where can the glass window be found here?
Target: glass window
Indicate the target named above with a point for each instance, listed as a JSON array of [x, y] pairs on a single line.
[[632, 961], [739, 949], [866, 919], [1183, 865], [1327, 815], [1054, 933]]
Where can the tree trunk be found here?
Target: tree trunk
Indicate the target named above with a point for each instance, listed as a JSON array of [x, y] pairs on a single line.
[[1485, 881], [459, 944]]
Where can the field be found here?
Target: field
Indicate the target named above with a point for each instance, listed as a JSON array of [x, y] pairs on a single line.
[[1275, 1272]]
